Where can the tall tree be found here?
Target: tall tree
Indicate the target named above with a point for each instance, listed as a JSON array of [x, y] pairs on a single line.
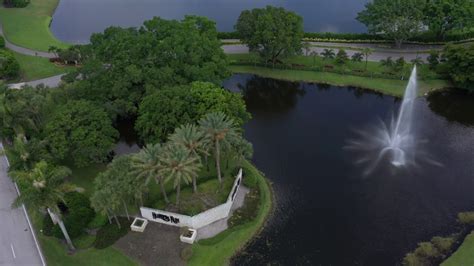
[[194, 140], [398, 20], [81, 130], [179, 166], [220, 130], [43, 188], [242, 150], [273, 32], [458, 65], [442, 16], [146, 166], [164, 110]]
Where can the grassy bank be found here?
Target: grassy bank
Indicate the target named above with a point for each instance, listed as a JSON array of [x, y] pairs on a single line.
[[219, 250], [385, 86], [464, 255], [33, 67], [29, 26]]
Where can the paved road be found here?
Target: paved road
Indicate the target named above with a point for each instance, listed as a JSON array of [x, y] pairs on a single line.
[[376, 55], [17, 245], [51, 82], [23, 50]]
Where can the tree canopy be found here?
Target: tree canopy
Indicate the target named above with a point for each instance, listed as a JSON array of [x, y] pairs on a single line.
[[166, 109], [82, 131], [397, 20], [120, 65], [9, 67], [272, 31], [459, 65], [442, 16]]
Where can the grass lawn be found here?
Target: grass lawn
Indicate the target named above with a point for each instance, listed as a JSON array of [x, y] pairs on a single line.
[[29, 26], [219, 249], [314, 69], [32, 67], [387, 86], [464, 255], [56, 252]]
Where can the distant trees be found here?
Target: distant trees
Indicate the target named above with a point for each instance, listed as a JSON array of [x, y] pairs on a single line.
[[9, 67], [81, 131], [397, 20], [273, 32]]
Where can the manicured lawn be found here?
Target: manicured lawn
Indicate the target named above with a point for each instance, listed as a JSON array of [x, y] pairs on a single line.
[[56, 252], [29, 26], [219, 250], [33, 67], [387, 86], [464, 255], [84, 177]]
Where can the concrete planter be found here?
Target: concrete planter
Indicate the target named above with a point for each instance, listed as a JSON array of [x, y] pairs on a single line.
[[189, 236], [139, 225]]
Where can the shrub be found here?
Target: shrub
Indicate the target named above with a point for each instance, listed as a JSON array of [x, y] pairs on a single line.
[[249, 211], [466, 218], [328, 54], [433, 59], [387, 62], [341, 56], [77, 216], [110, 233], [443, 244], [458, 65], [9, 67], [399, 64], [249, 179], [427, 250], [357, 57], [98, 221], [16, 3], [186, 253], [2, 42], [48, 225], [412, 259]]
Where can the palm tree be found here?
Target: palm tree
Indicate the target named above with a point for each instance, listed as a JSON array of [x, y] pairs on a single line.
[[242, 150], [194, 140], [366, 51], [43, 188], [19, 154], [357, 57], [328, 54], [179, 165], [219, 129], [146, 165], [306, 47]]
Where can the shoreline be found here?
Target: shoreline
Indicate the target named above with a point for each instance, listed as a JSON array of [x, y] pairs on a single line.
[[389, 87]]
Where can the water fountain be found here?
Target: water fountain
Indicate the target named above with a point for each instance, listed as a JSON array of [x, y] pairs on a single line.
[[394, 142], [399, 139]]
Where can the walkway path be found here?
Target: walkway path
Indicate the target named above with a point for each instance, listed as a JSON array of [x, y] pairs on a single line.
[[23, 50], [51, 82], [18, 246]]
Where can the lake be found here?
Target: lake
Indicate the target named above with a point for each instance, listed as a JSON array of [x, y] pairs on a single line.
[[74, 21], [327, 211]]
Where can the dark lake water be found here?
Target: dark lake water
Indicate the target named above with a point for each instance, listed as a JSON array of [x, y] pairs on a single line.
[[74, 21], [327, 212]]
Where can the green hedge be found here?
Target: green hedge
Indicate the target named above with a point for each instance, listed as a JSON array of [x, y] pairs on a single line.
[[2, 42], [426, 37], [16, 3]]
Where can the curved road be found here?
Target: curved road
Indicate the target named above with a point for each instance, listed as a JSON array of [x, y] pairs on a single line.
[[23, 50]]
